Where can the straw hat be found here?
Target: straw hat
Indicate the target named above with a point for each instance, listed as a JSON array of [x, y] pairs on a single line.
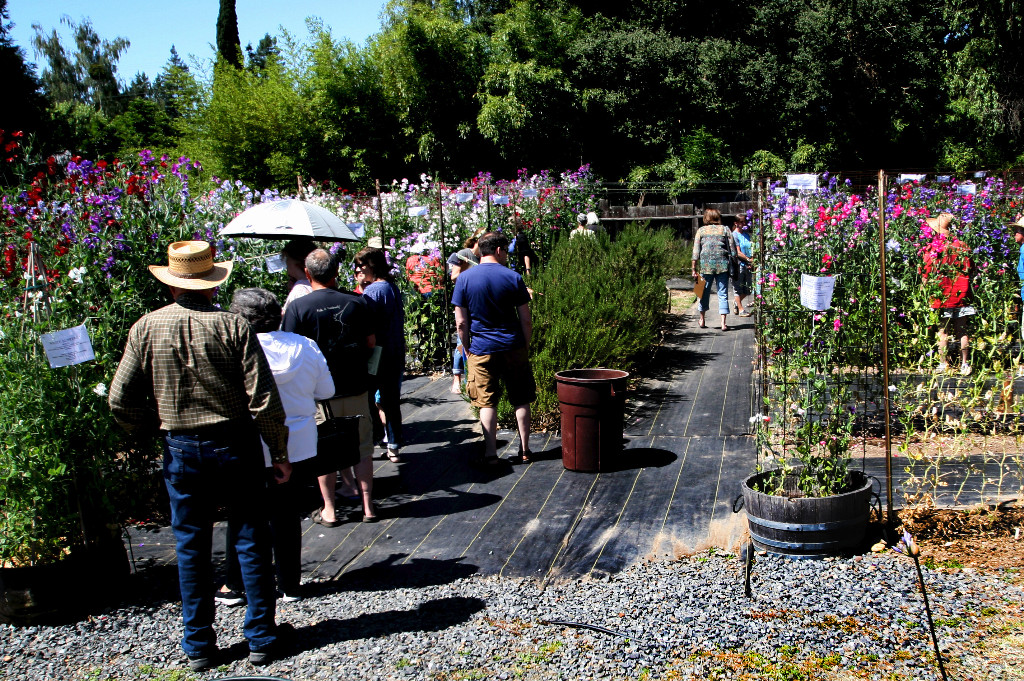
[[1017, 226], [190, 266], [940, 223]]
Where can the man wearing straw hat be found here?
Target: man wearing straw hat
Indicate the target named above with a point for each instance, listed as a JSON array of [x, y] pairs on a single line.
[[197, 374]]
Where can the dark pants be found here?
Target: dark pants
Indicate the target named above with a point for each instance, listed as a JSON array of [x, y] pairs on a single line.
[[204, 470], [286, 507], [389, 386]]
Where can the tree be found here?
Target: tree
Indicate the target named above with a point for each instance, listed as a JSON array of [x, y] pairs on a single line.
[[432, 62], [89, 75], [23, 103], [229, 45], [257, 59]]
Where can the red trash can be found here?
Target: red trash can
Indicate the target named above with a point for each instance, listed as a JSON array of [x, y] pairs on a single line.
[[592, 403]]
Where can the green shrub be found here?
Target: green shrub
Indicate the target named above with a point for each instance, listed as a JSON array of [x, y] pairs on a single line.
[[598, 303]]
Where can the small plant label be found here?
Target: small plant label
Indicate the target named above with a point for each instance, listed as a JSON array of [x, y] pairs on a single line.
[[803, 182], [816, 292], [275, 263], [68, 346]]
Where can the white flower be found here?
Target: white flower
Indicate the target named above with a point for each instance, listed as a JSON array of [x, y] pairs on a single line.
[[755, 419], [892, 388], [100, 389], [76, 274]]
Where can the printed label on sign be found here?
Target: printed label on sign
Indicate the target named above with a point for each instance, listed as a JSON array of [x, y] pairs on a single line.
[[529, 193], [68, 346], [358, 228], [275, 263], [805, 182], [498, 200], [463, 197], [816, 292], [417, 211]]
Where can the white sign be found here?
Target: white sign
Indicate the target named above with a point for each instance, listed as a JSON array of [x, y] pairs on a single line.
[[358, 228], [943, 178], [499, 200], [807, 182], [779, 191], [912, 177], [463, 197], [816, 292], [980, 174], [417, 211], [966, 188], [529, 193], [275, 263], [68, 346]]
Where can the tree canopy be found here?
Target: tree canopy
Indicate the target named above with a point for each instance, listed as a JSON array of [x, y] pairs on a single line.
[[677, 90]]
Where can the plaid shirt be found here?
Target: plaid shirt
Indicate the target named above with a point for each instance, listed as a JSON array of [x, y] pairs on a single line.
[[190, 365]]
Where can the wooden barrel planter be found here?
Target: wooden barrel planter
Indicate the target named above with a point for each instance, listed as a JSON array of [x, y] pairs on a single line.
[[807, 527], [62, 592]]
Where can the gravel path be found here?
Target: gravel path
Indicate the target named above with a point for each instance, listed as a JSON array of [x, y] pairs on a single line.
[[684, 619]]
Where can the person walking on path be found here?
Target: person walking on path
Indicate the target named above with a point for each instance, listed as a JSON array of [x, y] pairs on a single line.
[[1017, 229], [492, 317], [340, 324], [713, 248], [745, 253], [388, 312], [946, 258], [198, 375], [459, 263], [302, 378]]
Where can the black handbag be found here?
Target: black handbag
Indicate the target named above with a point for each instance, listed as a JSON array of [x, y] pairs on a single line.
[[337, 443]]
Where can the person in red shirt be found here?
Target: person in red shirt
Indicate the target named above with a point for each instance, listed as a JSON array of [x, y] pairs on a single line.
[[947, 256], [423, 271]]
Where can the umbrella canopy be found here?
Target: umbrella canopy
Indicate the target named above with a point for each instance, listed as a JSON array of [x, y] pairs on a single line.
[[289, 219]]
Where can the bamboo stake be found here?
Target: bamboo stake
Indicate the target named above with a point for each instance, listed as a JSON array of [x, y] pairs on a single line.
[[380, 212], [889, 516]]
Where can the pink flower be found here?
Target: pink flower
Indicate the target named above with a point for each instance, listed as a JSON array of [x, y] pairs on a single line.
[[836, 324]]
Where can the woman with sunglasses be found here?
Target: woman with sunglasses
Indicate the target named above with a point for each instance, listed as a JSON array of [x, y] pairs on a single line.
[[374, 276]]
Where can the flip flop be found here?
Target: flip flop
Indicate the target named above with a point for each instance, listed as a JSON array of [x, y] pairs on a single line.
[[318, 518], [523, 457]]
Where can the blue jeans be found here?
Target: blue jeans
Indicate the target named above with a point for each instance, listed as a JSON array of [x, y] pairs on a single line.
[[721, 281], [202, 471]]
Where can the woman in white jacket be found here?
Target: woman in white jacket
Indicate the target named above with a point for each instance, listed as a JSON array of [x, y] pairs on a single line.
[[302, 378]]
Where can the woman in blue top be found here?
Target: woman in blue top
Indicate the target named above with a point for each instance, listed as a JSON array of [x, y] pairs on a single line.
[[744, 251], [389, 327]]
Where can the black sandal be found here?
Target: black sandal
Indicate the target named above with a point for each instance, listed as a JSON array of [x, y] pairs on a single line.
[[523, 457]]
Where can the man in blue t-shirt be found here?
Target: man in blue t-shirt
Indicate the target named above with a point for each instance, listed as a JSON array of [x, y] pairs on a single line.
[[1017, 229], [492, 315]]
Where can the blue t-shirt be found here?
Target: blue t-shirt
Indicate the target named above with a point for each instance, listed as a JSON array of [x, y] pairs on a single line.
[[1020, 270], [743, 243], [490, 293], [388, 316]]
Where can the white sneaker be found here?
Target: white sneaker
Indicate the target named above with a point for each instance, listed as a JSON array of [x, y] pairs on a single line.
[[941, 367], [965, 369]]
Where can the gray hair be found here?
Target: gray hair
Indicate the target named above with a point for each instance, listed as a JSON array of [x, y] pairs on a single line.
[[259, 307], [322, 267]]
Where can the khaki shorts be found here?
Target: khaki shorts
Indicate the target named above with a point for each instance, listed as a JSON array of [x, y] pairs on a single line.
[[354, 405], [488, 372]]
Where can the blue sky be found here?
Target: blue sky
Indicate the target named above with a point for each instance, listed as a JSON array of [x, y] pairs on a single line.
[[189, 25]]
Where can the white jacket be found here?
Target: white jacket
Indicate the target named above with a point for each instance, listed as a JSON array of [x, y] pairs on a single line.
[[302, 378]]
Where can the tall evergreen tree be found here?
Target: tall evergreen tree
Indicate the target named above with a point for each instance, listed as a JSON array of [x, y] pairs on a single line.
[[22, 100], [229, 45]]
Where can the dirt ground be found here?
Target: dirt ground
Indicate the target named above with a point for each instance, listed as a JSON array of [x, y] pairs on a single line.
[[975, 538]]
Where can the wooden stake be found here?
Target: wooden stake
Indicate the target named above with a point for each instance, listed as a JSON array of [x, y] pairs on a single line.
[[889, 515]]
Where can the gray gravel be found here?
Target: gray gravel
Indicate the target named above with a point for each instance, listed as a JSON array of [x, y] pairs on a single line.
[[679, 619]]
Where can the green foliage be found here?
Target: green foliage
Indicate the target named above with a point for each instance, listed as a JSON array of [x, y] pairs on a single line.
[[229, 46], [605, 318]]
